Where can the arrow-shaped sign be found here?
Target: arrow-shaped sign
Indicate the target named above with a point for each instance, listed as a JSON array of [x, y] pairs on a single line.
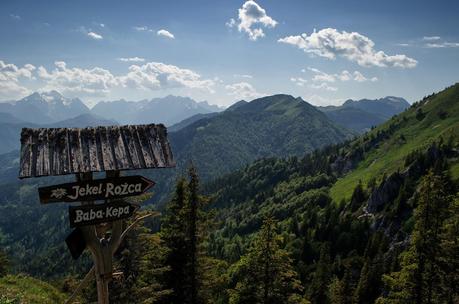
[[100, 213], [99, 189]]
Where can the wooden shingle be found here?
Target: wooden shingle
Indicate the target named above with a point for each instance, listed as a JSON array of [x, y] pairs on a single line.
[[58, 151]]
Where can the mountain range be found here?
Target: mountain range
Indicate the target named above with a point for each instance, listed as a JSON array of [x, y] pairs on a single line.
[[362, 115], [167, 110]]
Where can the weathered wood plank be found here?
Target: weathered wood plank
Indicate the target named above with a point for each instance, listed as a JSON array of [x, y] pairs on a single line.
[[155, 145], [42, 145], [94, 159], [166, 148], [107, 153], [145, 147], [84, 141], [76, 157], [61, 154], [127, 134], [64, 151], [116, 140], [26, 152]]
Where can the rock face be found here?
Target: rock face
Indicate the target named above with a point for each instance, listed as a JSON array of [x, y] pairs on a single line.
[[385, 193]]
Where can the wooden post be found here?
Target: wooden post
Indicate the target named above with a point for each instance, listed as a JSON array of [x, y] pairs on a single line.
[[102, 246]]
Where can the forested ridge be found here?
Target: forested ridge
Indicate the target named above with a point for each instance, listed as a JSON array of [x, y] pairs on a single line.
[[372, 220]]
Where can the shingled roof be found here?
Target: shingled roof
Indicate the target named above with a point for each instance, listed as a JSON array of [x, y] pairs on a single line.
[[58, 151]]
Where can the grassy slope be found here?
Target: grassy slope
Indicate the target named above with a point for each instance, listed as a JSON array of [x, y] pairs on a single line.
[[390, 155], [27, 290]]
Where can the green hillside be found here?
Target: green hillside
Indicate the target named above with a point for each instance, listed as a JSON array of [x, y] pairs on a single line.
[[415, 129], [278, 125], [22, 289]]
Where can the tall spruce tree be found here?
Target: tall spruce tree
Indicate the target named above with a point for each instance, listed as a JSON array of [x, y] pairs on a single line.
[[173, 235], [450, 256], [184, 230], [419, 280], [265, 274], [318, 289]]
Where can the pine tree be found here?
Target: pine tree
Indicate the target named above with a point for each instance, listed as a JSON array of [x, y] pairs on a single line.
[[184, 231], [173, 235], [265, 274], [322, 277], [450, 256], [419, 279], [341, 290]]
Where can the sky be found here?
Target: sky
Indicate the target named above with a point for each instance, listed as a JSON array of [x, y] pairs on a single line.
[[223, 51]]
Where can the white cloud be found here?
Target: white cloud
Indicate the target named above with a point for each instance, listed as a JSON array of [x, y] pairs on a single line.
[[330, 43], [131, 59], [96, 81], [156, 75], [102, 25], [15, 17], [344, 75], [165, 33], [442, 45], [95, 36], [140, 28], [77, 81], [250, 16], [10, 76], [298, 81], [431, 38], [242, 90], [324, 86], [231, 23], [243, 76]]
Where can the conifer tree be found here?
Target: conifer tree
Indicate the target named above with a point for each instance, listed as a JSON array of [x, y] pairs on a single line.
[[450, 256], [184, 230], [419, 279], [265, 274], [341, 290], [322, 277], [173, 235]]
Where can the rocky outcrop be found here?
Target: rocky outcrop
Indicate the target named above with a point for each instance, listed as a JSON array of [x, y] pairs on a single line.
[[385, 193]]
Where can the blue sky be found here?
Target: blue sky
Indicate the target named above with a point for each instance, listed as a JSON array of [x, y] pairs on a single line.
[[224, 51]]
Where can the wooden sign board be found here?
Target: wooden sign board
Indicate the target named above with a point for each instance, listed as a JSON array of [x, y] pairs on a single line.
[[100, 213], [98, 189]]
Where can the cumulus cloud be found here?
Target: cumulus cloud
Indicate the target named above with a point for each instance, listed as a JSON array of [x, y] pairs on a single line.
[[95, 36], [442, 45], [298, 81], [77, 81], [243, 76], [156, 75], [10, 76], [96, 81], [15, 17], [131, 59], [242, 90], [251, 20], [324, 86], [431, 38], [344, 75], [140, 28], [165, 33], [330, 43]]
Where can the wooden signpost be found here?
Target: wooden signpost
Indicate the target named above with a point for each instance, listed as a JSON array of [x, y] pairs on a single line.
[[100, 213], [93, 190], [99, 227]]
